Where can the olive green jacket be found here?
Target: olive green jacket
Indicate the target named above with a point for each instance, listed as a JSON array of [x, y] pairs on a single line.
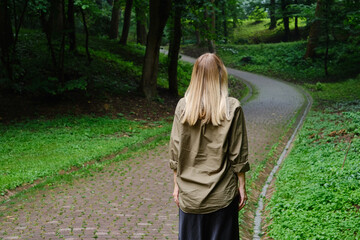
[[207, 159]]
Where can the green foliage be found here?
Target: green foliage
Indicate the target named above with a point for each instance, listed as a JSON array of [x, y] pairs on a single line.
[[286, 61], [41, 148], [257, 14], [336, 92], [251, 31], [315, 197]]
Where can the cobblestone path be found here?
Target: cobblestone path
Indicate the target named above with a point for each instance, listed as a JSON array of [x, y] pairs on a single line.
[[133, 199]]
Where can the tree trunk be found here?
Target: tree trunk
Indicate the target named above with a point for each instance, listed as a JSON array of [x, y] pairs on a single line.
[[297, 32], [115, 18], [6, 37], [159, 13], [86, 36], [174, 50], [212, 42], [223, 12], [62, 46], [71, 25], [314, 32], [19, 23], [47, 30], [272, 15], [210, 29], [126, 26], [285, 20], [140, 8], [56, 18]]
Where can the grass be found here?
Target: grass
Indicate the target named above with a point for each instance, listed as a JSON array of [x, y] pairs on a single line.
[[286, 61], [251, 31], [41, 148], [315, 197]]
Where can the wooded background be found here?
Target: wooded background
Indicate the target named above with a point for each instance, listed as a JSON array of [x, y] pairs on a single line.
[[328, 24]]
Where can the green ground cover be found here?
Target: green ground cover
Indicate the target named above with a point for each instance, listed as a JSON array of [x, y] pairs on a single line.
[[286, 60], [251, 31], [41, 148], [315, 197]]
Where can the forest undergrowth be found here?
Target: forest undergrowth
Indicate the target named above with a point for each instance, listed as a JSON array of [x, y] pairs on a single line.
[[317, 189]]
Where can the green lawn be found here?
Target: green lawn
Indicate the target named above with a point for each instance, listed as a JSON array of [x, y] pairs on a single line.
[[251, 31], [315, 197], [40, 148]]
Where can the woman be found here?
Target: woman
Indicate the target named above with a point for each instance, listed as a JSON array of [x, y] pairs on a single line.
[[208, 153]]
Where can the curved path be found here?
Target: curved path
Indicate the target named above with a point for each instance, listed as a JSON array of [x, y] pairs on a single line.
[[132, 199]]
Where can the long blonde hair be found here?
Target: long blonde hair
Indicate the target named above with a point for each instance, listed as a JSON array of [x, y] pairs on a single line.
[[206, 95]]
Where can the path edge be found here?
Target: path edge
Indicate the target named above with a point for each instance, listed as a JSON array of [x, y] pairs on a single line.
[[304, 110]]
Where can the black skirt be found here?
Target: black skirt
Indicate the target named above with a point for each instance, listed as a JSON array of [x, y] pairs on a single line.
[[219, 225]]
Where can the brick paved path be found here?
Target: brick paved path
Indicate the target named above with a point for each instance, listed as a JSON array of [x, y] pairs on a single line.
[[132, 199]]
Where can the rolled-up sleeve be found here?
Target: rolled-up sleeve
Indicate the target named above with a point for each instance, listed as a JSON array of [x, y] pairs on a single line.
[[174, 144], [238, 143]]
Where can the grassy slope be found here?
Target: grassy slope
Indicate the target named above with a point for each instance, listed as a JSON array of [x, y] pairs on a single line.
[[285, 60], [40, 148], [251, 31], [315, 197]]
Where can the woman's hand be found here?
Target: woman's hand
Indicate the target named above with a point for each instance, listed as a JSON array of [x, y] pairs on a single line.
[[243, 197], [176, 190], [176, 194], [242, 190]]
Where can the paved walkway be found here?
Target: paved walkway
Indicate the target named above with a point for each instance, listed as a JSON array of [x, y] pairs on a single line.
[[132, 199]]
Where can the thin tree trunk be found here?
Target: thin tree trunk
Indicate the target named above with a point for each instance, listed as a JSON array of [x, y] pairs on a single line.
[[297, 32], [86, 35], [285, 20], [62, 46], [71, 25], [140, 22], [174, 50], [212, 42], [314, 32], [210, 29], [46, 28], [126, 26], [159, 13], [272, 15], [197, 35], [115, 19], [327, 38], [6, 37], [56, 18], [224, 15]]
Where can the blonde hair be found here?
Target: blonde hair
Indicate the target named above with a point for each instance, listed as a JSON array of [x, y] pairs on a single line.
[[207, 93]]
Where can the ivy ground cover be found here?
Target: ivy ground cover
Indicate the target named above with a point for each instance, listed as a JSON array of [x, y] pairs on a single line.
[[317, 190]]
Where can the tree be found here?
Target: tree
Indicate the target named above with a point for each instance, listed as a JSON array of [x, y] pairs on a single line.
[[175, 38], [159, 13], [140, 11], [126, 26], [314, 33], [272, 10], [224, 20], [210, 26], [6, 37], [115, 18], [71, 25], [285, 15]]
